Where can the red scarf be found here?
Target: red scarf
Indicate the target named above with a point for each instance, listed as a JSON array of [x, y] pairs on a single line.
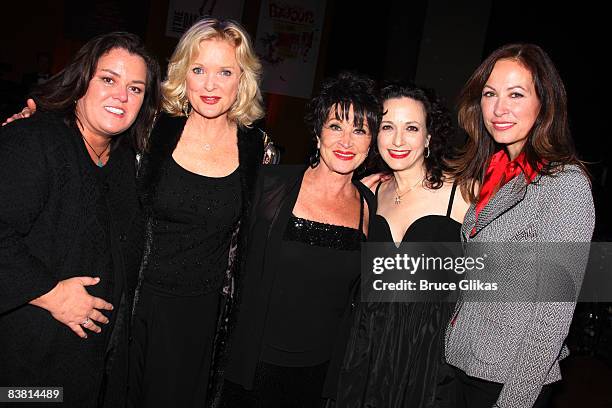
[[500, 171]]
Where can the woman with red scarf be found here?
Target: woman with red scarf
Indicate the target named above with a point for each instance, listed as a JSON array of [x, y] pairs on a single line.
[[533, 189]]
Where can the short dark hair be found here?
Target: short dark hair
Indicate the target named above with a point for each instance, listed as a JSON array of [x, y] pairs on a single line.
[[60, 92], [439, 125], [343, 91]]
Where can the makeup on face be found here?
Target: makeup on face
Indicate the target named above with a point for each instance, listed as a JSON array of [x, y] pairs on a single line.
[[403, 135], [510, 105], [213, 78], [343, 144]]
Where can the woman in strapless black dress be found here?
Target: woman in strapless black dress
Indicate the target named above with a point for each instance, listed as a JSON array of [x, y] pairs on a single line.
[[395, 355]]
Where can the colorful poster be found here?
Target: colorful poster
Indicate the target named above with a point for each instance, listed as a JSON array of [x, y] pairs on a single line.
[[183, 13], [288, 37]]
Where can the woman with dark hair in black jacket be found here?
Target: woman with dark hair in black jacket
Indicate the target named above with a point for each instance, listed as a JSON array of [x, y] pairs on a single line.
[[70, 224], [303, 257]]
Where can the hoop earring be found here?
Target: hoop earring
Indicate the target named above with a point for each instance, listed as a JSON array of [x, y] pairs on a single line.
[[315, 158], [187, 108], [428, 152]]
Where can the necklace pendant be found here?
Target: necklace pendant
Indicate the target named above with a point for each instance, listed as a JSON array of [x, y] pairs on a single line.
[[207, 147], [398, 200], [99, 163]]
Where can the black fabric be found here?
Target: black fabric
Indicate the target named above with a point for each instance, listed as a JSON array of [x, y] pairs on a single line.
[[192, 224], [293, 336], [193, 219], [395, 352], [171, 349], [279, 387], [164, 138], [474, 392], [275, 197], [61, 217]]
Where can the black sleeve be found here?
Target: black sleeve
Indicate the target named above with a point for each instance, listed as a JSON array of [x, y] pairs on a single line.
[[24, 188]]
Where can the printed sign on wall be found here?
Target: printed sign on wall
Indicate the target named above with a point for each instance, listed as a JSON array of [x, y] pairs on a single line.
[[288, 37], [183, 13]]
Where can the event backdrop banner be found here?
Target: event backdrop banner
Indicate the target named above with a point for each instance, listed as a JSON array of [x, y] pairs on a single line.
[[183, 13], [288, 37]]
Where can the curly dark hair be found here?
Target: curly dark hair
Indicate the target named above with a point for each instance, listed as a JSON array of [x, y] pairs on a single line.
[[343, 91], [439, 126], [62, 90]]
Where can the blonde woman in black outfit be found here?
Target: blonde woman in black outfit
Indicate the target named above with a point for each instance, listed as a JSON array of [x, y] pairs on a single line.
[[197, 180]]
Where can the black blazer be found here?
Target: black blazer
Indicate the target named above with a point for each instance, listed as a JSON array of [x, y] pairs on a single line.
[[277, 191], [58, 221]]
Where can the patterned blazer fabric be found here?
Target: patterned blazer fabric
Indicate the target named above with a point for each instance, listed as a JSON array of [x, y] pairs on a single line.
[[520, 343]]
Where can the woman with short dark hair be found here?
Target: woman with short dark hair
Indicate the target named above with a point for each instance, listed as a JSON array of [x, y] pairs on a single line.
[[303, 259]]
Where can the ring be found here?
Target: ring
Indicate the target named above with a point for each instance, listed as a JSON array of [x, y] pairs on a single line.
[[86, 322]]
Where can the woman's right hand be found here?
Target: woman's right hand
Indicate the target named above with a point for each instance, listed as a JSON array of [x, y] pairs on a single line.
[[373, 179], [26, 112], [71, 304]]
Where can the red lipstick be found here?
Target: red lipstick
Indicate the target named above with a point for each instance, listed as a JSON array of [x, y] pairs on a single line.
[[399, 154], [344, 155], [210, 100]]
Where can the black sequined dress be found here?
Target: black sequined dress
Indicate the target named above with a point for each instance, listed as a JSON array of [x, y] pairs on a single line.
[[317, 268], [316, 287], [175, 319]]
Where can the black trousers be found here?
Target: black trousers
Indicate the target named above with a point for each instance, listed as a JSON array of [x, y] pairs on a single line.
[[474, 392]]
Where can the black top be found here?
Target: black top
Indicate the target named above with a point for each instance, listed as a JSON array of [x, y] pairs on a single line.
[[302, 290], [162, 142], [429, 228], [62, 217], [193, 220], [275, 197], [395, 352], [104, 176]]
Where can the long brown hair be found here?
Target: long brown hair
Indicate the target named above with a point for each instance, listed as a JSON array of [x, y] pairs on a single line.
[[549, 141]]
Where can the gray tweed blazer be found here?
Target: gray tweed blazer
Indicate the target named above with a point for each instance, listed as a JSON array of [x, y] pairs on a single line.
[[519, 344]]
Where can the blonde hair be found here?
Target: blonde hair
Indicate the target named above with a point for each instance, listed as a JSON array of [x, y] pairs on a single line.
[[248, 106]]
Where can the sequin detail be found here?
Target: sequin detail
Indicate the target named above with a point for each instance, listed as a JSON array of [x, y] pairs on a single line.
[[192, 224], [323, 235]]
